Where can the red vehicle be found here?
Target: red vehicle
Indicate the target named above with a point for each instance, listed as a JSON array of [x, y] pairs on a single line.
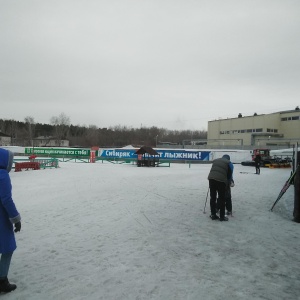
[[266, 159], [264, 154]]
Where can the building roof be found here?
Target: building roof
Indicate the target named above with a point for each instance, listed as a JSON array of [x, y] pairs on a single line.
[[240, 116], [146, 149]]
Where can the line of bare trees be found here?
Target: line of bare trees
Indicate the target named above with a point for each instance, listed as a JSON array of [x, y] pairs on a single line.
[[60, 127]]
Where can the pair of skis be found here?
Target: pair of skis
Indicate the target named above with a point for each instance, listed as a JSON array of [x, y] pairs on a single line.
[[285, 187], [249, 173]]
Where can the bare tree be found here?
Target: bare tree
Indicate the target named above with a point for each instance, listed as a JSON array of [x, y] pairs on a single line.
[[61, 126], [92, 135], [30, 127]]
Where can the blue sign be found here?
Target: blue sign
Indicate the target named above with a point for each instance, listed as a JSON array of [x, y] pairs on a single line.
[[183, 154], [163, 154]]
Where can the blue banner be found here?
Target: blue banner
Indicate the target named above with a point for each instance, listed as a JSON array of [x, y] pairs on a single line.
[[163, 154]]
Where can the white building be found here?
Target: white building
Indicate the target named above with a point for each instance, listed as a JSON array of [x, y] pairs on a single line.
[[49, 141], [275, 129], [5, 140]]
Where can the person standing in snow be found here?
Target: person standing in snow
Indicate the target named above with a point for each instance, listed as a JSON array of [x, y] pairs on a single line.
[[230, 184], [219, 175], [257, 161], [10, 220]]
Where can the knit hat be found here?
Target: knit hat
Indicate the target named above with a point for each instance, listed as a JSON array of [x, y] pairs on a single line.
[[226, 156]]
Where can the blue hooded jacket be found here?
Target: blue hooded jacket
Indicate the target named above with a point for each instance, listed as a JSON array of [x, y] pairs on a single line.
[[8, 212], [230, 166]]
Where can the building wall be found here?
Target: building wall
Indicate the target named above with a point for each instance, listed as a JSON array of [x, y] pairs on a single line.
[[5, 141], [290, 124], [260, 130], [50, 143]]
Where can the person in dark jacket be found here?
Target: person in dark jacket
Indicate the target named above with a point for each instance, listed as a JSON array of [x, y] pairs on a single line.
[[257, 161], [10, 220], [219, 175]]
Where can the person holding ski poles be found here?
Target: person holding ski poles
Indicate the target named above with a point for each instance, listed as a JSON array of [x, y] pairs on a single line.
[[10, 221], [218, 177]]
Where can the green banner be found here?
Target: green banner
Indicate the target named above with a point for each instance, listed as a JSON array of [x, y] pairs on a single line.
[[59, 151]]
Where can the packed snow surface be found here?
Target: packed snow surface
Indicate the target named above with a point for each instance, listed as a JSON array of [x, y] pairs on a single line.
[[116, 231]]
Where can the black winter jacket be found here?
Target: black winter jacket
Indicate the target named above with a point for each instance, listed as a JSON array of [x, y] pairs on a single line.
[[220, 170]]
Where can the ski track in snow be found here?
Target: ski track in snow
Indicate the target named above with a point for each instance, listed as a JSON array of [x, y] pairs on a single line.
[[102, 231]]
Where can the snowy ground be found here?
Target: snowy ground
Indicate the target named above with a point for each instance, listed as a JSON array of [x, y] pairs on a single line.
[[115, 232]]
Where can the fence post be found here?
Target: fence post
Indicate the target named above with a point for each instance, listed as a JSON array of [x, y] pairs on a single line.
[[296, 213], [93, 156]]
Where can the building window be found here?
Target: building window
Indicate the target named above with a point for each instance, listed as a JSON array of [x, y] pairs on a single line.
[[258, 130], [272, 130], [249, 130], [290, 118]]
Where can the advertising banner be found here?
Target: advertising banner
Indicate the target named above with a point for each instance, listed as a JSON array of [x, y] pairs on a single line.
[[163, 154], [58, 151]]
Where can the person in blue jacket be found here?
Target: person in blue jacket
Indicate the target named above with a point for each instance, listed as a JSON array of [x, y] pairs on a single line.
[[228, 201], [10, 220]]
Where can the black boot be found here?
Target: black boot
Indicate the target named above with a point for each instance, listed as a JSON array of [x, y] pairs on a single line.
[[5, 286]]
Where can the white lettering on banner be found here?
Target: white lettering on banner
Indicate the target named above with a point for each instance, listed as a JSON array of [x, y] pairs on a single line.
[[160, 154], [113, 153], [124, 154], [182, 155], [109, 153], [82, 152]]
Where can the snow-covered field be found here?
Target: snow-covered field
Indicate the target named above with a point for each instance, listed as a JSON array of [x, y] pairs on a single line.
[[116, 232]]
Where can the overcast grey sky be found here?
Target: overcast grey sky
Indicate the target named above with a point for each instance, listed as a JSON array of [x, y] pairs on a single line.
[[175, 64]]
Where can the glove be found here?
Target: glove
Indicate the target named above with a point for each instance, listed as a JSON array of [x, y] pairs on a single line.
[[18, 226], [232, 184]]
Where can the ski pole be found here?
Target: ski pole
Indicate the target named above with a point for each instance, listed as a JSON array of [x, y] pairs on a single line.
[[205, 201], [285, 187]]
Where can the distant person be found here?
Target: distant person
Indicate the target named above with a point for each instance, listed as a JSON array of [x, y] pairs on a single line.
[[10, 221], [219, 175], [257, 162]]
